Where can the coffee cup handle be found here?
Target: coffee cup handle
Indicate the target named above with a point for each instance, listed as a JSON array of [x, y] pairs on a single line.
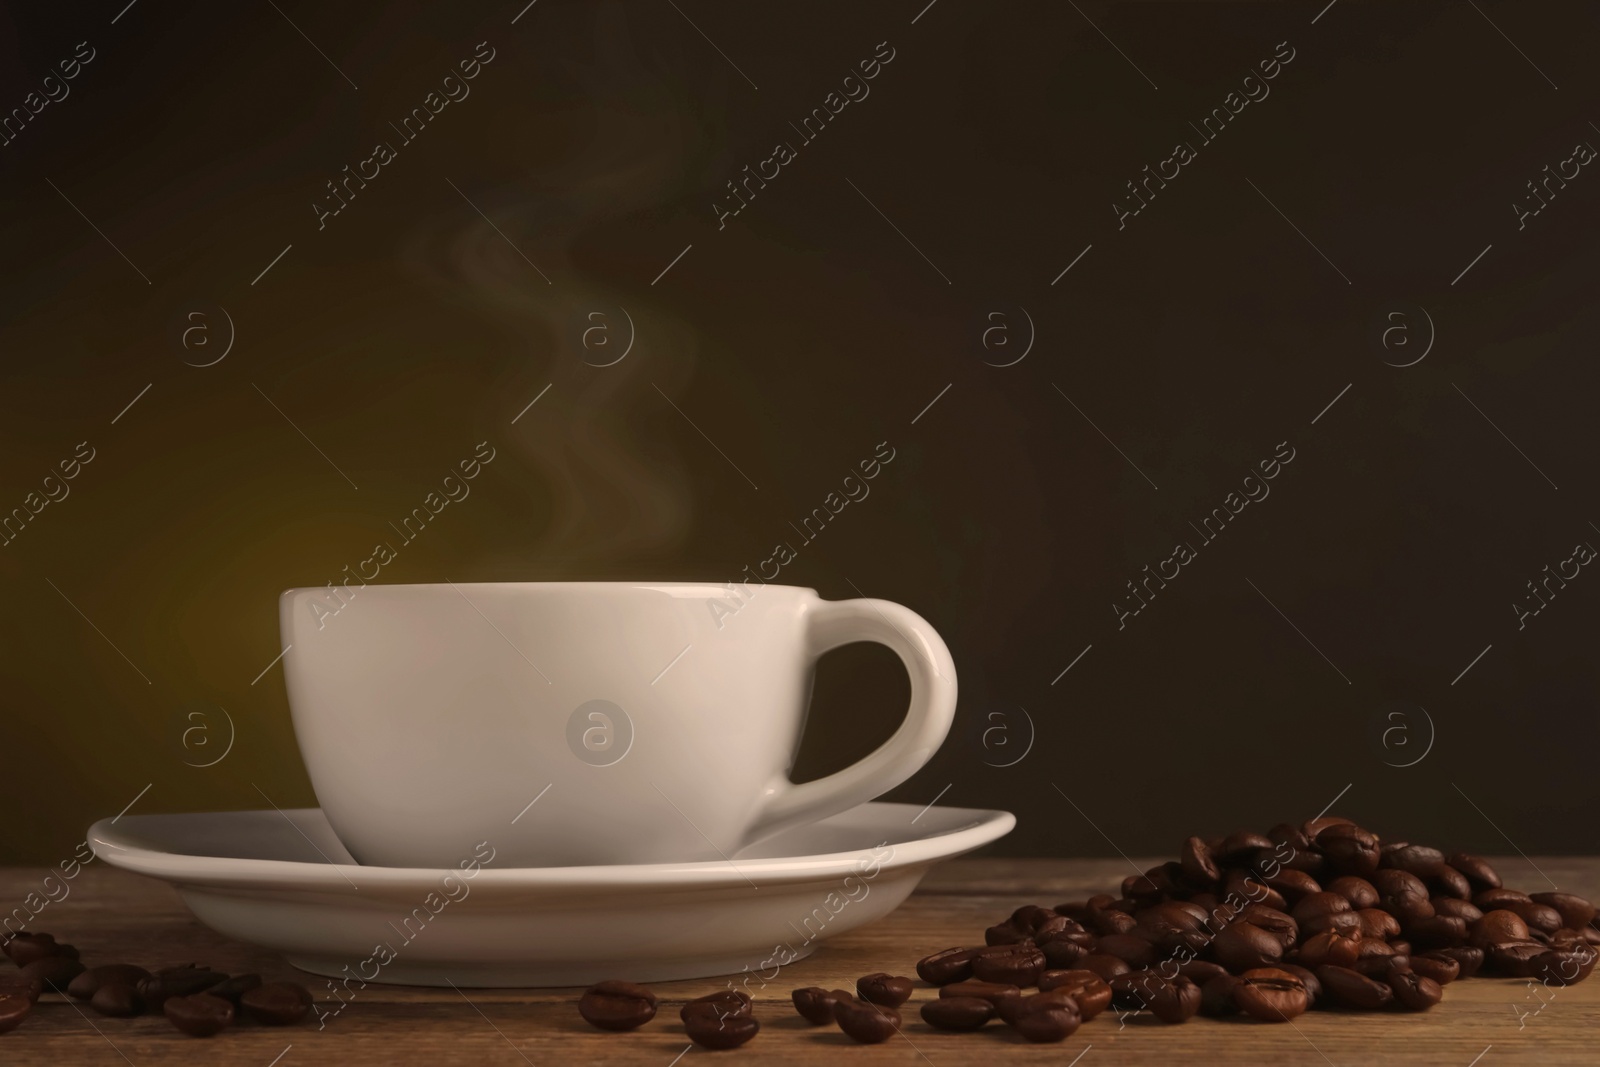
[[832, 623]]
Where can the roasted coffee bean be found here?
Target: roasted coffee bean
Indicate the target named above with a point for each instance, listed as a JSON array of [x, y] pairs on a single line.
[[1437, 931], [888, 989], [1016, 964], [1291, 835], [1316, 905], [709, 1031], [1379, 925], [723, 1004], [1167, 928], [1005, 934], [1245, 946], [1279, 924], [25, 948], [1241, 844], [1413, 991], [1088, 990], [1350, 849], [1131, 949], [1198, 865], [1063, 948], [284, 1003], [54, 973], [14, 1007], [1490, 899], [1216, 997], [1350, 989], [1050, 927], [1368, 949], [1477, 870], [1450, 884], [814, 1004], [1131, 991], [235, 987], [14, 984], [1419, 860], [1570, 963], [1315, 826], [1457, 909], [866, 1022], [83, 986], [993, 992], [1379, 966], [1519, 959], [1331, 947], [951, 965], [1242, 885], [1009, 1009], [609, 1005], [1468, 958], [1112, 921], [1436, 965], [1292, 885], [957, 1013], [1498, 925], [1047, 1017], [1539, 917], [1358, 891], [1197, 971], [117, 999], [200, 1015], [1576, 912], [1271, 995], [1076, 910], [177, 982], [1307, 979], [1107, 967], [1173, 1001]]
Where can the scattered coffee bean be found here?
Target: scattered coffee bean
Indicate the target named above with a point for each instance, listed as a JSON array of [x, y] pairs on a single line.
[[814, 1004], [1350, 989], [1047, 1017], [957, 1013], [275, 1004], [14, 1007], [1088, 990], [993, 992], [83, 986], [1576, 912], [1413, 991], [866, 1022], [199, 1015], [1271, 995], [942, 968], [235, 987], [886, 989], [25, 948], [1436, 965], [117, 999], [609, 1005], [1019, 964], [1216, 996], [177, 982], [709, 1031], [15, 984], [54, 973], [1107, 967], [723, 1004]]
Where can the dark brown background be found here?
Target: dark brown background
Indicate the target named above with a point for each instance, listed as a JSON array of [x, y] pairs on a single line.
[[796, 339]]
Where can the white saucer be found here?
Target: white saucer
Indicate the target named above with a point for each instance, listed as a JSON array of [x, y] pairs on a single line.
[[280, 879]]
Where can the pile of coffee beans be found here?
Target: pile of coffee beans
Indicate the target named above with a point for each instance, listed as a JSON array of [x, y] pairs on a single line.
[[195, 999], [1265, 926]]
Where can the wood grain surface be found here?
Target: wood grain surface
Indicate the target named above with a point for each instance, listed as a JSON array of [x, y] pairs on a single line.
[[113, 916]]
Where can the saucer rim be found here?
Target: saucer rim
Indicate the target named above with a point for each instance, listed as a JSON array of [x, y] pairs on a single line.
[[984, 826]]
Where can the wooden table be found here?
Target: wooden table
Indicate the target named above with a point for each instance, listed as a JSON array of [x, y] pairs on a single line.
[[113, 916]]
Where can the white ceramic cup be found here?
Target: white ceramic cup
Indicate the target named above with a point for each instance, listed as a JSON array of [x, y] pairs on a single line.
[[572, 723]]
